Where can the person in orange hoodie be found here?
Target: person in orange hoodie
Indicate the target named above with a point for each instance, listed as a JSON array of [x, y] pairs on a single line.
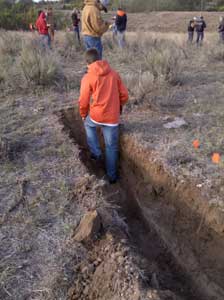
[[121, 24], [102, 96]]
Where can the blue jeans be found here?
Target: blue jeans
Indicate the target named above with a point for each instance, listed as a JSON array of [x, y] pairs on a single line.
[[200, 37], [77, 32], [121, 38], [190, 36], [46, 40], [93, 42], [111, 139]]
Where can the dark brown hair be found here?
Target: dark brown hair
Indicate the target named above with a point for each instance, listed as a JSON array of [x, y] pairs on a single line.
[[91, 56]]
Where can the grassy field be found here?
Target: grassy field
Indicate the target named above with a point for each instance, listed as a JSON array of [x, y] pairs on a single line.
[[176, 96]]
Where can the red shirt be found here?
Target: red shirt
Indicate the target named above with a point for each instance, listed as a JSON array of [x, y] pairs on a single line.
[[41, 24]]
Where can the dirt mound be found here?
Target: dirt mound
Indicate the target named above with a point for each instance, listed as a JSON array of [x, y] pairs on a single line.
[[111, 271]]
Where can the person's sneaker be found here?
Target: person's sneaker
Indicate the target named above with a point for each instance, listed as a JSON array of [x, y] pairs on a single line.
[[95, 158], [112, 181]]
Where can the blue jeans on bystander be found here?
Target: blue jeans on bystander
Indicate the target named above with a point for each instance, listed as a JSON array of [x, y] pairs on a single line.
[[200, 37], [46, 40], [111, 139], [93, 42], [77, 32]]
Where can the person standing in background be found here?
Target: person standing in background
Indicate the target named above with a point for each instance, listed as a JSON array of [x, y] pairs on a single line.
[[121, 24], [93, 25], [191, 26], [75, 23], [200, 27], [50, 23], [42, 28], [221, 29]]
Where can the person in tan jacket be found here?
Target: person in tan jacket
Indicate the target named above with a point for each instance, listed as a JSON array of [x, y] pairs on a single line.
[[93, 25]]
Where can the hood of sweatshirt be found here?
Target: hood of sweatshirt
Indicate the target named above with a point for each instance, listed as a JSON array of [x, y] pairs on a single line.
[[100, 68], [90, 2], [120, 13], [42, 15]]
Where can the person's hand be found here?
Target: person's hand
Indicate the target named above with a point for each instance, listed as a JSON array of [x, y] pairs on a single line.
[[83, 119]]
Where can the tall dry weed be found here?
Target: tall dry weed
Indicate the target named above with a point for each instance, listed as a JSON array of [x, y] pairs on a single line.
[[68, 45], [215, 52], [10, 43], [39, 65]]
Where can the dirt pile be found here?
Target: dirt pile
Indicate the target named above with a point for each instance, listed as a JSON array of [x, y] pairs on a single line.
[[152, 195], [111, 271]]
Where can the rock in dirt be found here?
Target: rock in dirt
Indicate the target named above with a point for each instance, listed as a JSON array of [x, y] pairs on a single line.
[[88, 227], [177, 123]]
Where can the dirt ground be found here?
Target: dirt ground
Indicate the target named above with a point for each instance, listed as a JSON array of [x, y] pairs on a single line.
[[170, 21], [161, 227]]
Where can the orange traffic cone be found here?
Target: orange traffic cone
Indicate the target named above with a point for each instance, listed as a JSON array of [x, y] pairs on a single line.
[[216, 158], [196, 144]]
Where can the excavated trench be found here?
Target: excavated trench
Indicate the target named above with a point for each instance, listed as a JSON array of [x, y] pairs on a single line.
[[188, 254]]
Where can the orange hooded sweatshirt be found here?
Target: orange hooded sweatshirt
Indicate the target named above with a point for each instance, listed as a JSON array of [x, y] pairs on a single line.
[[107, 91]]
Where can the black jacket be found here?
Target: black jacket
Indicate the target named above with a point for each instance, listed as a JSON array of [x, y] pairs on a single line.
[[221, 27], [75, 19], [200, 26], [190, 28], [121, 22]]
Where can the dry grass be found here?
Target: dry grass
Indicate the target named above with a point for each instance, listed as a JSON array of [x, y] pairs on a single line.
[[40, 166], [215, 53], [26, 63], [68, 45], [39, 65], [147, 63]]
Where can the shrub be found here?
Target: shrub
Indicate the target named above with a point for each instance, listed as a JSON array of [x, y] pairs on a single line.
[[39, 65], [16, 15], [159, 58], [10, 43], [139, 84], [10, 48], [215, 52], [164, 64], [68, 45]]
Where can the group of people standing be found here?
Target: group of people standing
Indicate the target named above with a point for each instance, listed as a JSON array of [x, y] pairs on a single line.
[[91, 23], [198, 25], [94, 26]]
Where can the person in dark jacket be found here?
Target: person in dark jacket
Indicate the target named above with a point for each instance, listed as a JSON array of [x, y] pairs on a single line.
[[121, 24], [200, 27], [191, 27], [75, 23], [50, 23], [221, 29]]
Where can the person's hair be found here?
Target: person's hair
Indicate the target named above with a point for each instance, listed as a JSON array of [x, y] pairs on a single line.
[[39, 12], [91, 55]]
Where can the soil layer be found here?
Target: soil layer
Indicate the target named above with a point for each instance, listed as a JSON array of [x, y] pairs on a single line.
[[164, 213]]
